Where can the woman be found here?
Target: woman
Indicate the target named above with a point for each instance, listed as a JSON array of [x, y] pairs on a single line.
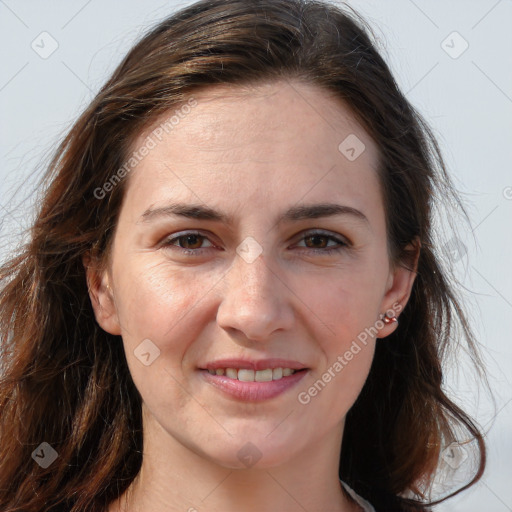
[[230, 299]]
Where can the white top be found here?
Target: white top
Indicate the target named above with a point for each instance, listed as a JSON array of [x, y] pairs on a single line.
[[367, 507]]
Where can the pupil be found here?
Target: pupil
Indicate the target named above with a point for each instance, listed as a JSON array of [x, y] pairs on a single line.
[[315, 240], [192, 240]]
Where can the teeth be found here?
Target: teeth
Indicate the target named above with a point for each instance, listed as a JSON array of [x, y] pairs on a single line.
[[245, 375], [263, 375], [277, 373], [231, 373]]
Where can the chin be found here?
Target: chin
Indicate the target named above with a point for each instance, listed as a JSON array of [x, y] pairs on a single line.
[[246, 452]]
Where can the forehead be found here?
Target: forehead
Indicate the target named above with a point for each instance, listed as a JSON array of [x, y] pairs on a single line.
[[257, 143]]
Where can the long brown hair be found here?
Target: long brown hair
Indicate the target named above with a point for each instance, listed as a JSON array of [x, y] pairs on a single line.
[[65, 381]]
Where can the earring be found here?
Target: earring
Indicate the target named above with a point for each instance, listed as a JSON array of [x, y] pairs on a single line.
[[389, 319]]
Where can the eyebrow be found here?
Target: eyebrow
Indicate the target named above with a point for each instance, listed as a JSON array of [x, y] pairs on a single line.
[[304, 212]]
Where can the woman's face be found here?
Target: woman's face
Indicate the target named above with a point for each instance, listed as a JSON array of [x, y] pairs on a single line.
[[251, 242]]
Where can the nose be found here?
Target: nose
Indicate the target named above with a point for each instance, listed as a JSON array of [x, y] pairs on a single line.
[[256, 301]]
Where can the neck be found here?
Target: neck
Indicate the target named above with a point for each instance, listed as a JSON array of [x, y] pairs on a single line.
[[173, 477]]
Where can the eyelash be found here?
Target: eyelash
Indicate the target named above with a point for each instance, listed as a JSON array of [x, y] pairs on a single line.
[[342, 244]]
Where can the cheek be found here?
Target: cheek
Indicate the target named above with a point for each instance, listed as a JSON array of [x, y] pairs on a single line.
[[330, 394], [164, 307], [154, 300], [347, 306], [346, 301], [169, 308], [347, 350]]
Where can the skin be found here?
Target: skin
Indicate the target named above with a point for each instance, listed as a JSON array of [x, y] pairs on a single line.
[[251, 153]]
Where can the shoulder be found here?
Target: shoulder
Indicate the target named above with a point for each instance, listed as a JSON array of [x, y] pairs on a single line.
[[383, 502]]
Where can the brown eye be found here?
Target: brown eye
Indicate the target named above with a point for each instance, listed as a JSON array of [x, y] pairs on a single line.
[[316, 241], [191, 241], [323, 243]]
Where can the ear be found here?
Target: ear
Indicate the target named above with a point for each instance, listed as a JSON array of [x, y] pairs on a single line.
[[101, 295], [399, 287]]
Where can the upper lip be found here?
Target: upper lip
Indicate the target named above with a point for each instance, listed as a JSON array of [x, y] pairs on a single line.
[[248, 364]]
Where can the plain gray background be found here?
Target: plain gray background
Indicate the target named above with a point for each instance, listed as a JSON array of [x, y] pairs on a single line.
[[466, 96]]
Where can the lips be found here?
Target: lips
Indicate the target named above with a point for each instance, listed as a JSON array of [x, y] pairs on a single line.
[[253, 380]]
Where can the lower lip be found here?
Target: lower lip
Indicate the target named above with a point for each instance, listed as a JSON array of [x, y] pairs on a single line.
[[253, 391]]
